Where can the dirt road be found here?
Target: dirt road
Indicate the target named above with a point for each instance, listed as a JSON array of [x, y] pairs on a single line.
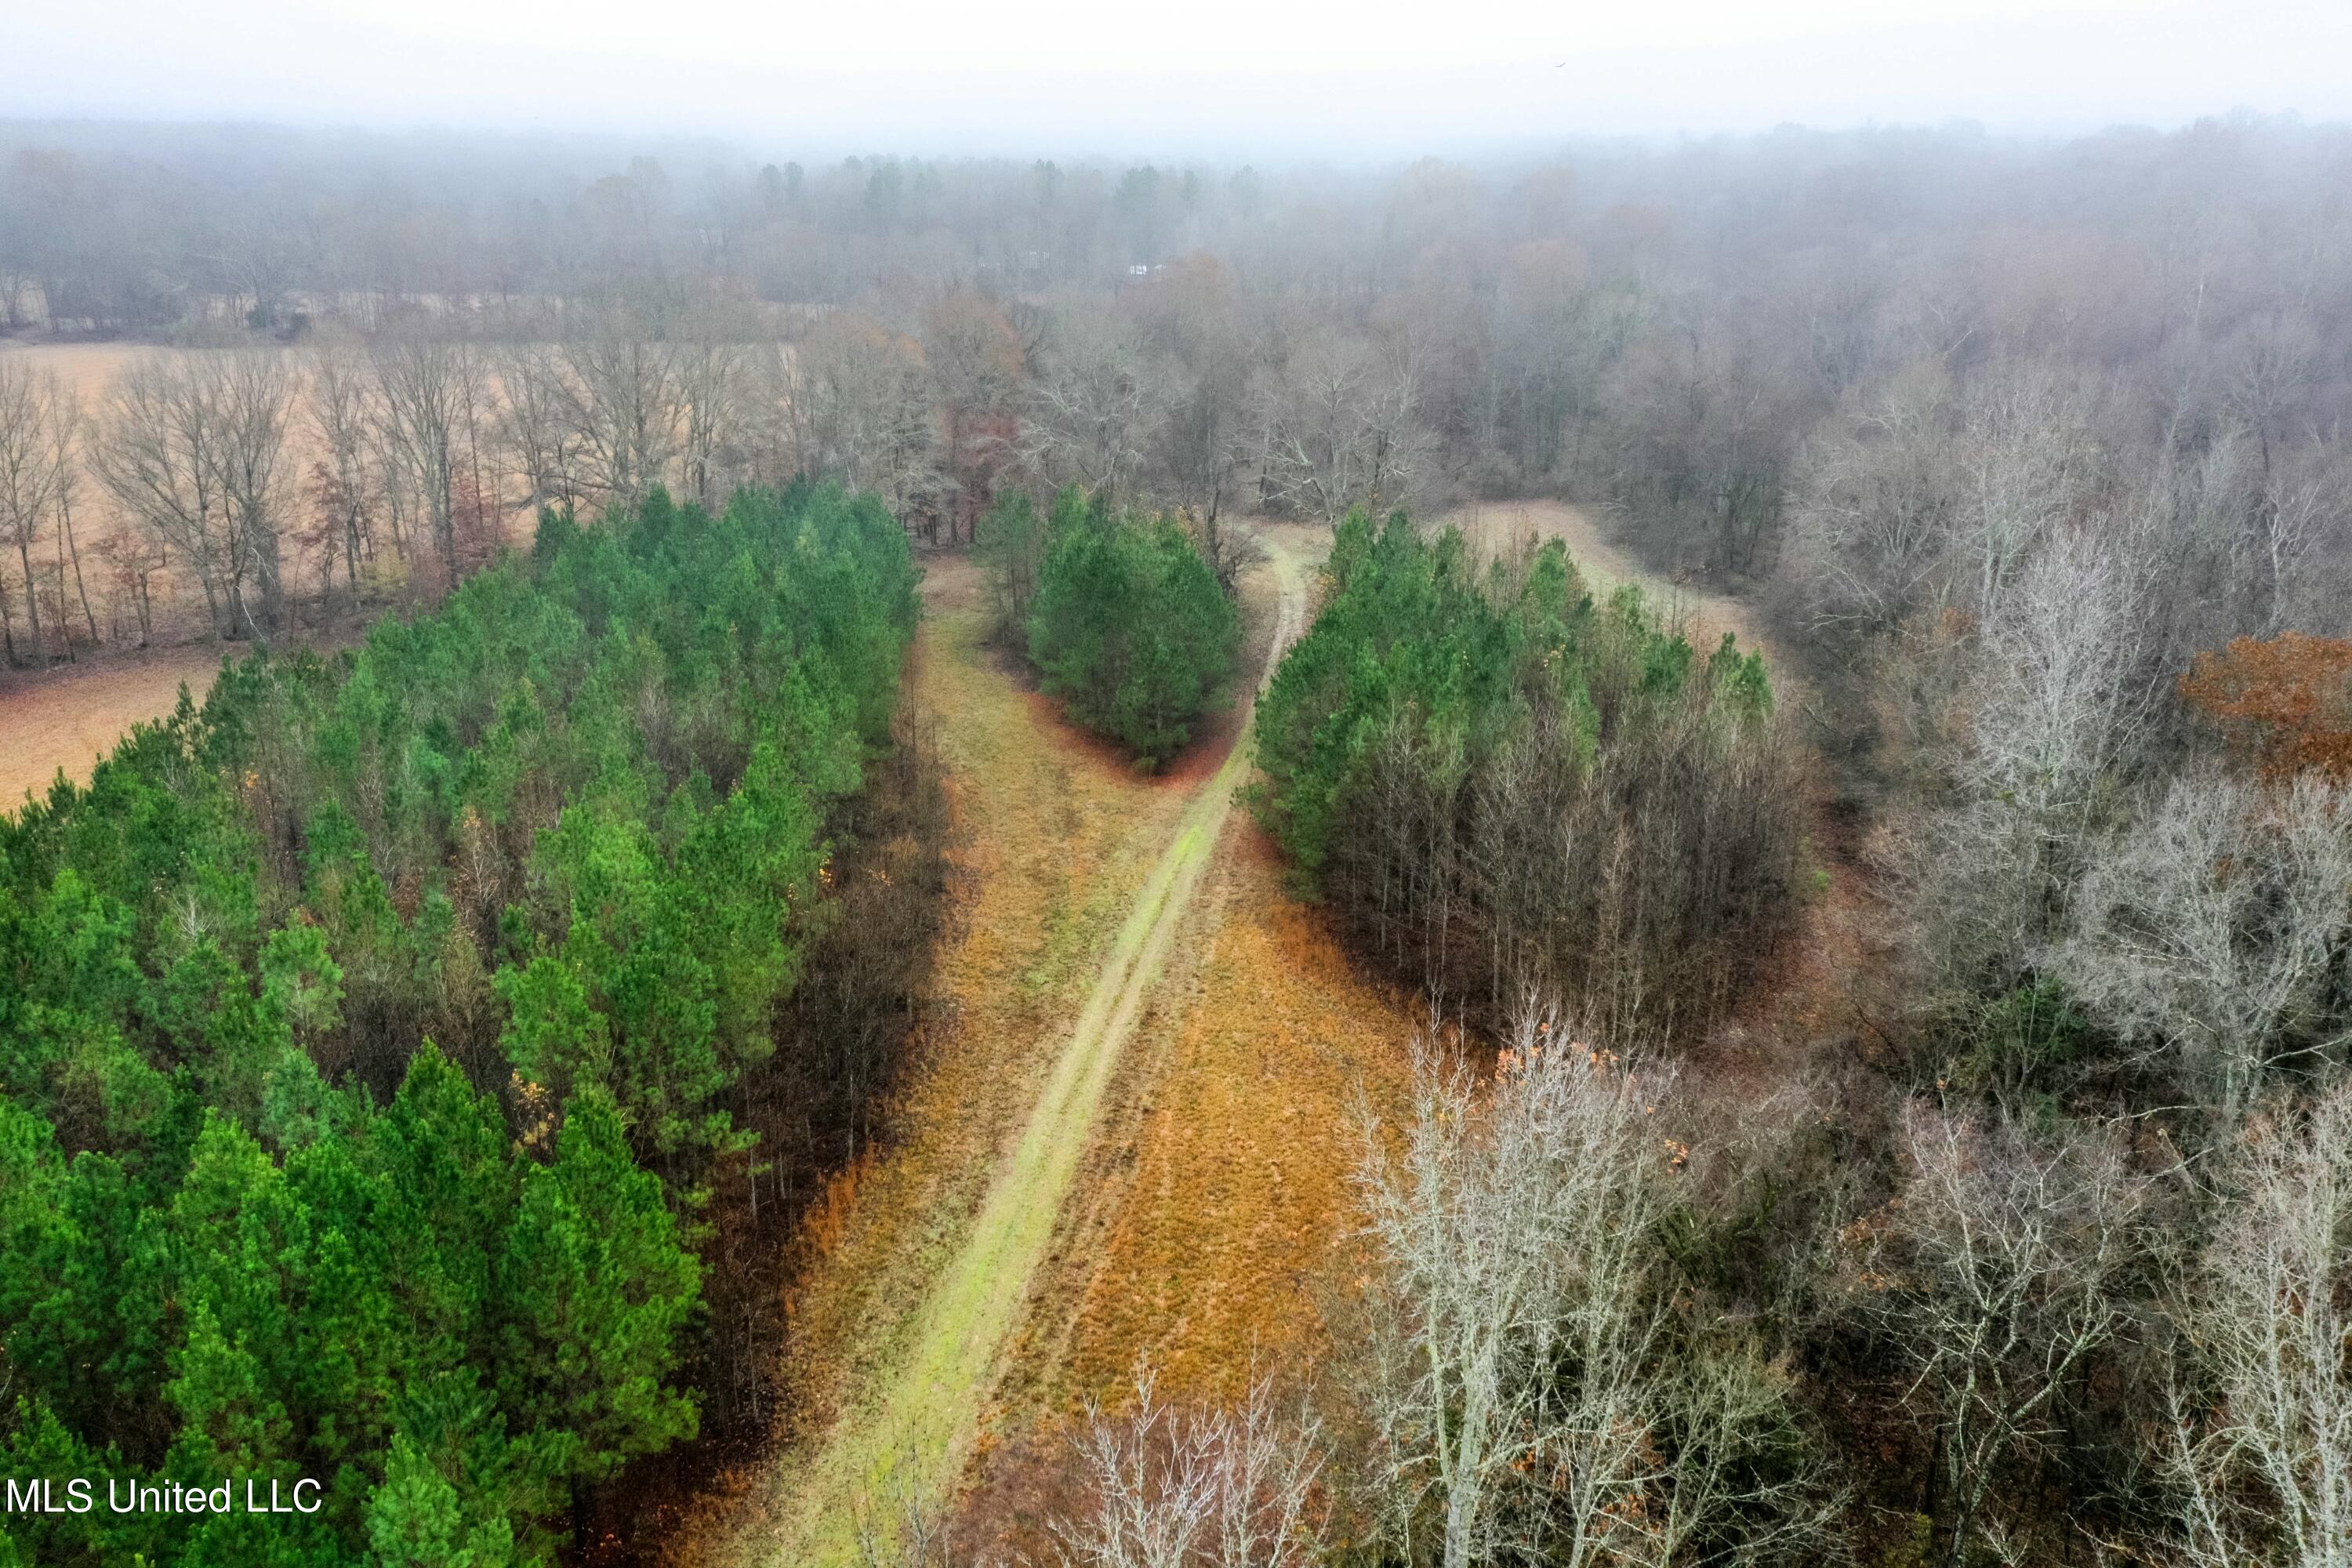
[[911, 1429], [1497, 525]]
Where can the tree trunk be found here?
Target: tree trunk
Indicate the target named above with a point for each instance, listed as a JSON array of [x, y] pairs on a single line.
[[65, 621], [32, 595], [81, 589]]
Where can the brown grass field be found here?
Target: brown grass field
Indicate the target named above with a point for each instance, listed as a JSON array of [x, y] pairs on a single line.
[[65, 720], [1499, 527], [1219, 1189]]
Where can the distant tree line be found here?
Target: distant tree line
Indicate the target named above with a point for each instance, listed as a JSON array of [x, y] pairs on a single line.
[[1763, 354]]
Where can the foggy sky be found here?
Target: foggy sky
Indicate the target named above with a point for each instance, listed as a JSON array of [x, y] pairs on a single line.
[[1372, 76]]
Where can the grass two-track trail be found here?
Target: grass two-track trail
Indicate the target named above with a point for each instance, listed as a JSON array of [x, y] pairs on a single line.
[[913, 1414]]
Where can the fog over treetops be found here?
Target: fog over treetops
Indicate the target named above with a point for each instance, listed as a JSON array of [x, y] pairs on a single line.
[[1054, 78]]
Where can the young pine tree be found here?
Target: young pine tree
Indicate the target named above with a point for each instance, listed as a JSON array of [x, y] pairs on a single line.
[[599, 1287], [1129, 628]]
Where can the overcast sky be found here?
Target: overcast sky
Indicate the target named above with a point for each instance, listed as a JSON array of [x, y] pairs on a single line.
[[1378, 77]]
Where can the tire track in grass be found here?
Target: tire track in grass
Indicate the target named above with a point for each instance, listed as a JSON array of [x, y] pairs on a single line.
[[911, 1438]]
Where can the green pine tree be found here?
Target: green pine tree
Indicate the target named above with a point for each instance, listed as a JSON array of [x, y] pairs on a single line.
[[599, 1289]]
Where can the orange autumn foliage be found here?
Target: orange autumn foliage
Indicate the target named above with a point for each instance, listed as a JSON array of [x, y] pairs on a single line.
[[2288, 700]]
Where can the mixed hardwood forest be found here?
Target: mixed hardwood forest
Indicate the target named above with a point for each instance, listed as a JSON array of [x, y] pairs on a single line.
[[1883, 1087]]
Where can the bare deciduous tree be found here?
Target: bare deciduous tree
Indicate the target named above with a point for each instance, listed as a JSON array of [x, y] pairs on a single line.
[[912, 1529], [1997, 1274], [29, 476], [866, 390], [2053, 701], [535, 427], [67, 428], [1205, 440], [1095, 407], [254, 391], [628, 405], [2259, 1443], [157, 453], [714, 390], [2027, 466], [192, 448], [1169, 1488], [348, 421], [1537, 1393], [976, 359], [1339, 428], [262, 254], [425, 379], [1870, 503], [774, 403], [2215, 926]]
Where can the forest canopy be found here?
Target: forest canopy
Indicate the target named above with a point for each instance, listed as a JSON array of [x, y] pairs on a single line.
[[367, 1036], [1505, 786], [1126, 623]]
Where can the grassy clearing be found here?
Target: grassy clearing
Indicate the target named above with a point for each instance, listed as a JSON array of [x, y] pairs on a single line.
[[1212, 1217], [916, 1431], [1046, 843], [1229, 1231], [930, 1259], [1217, 1194], [1496, 528]]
